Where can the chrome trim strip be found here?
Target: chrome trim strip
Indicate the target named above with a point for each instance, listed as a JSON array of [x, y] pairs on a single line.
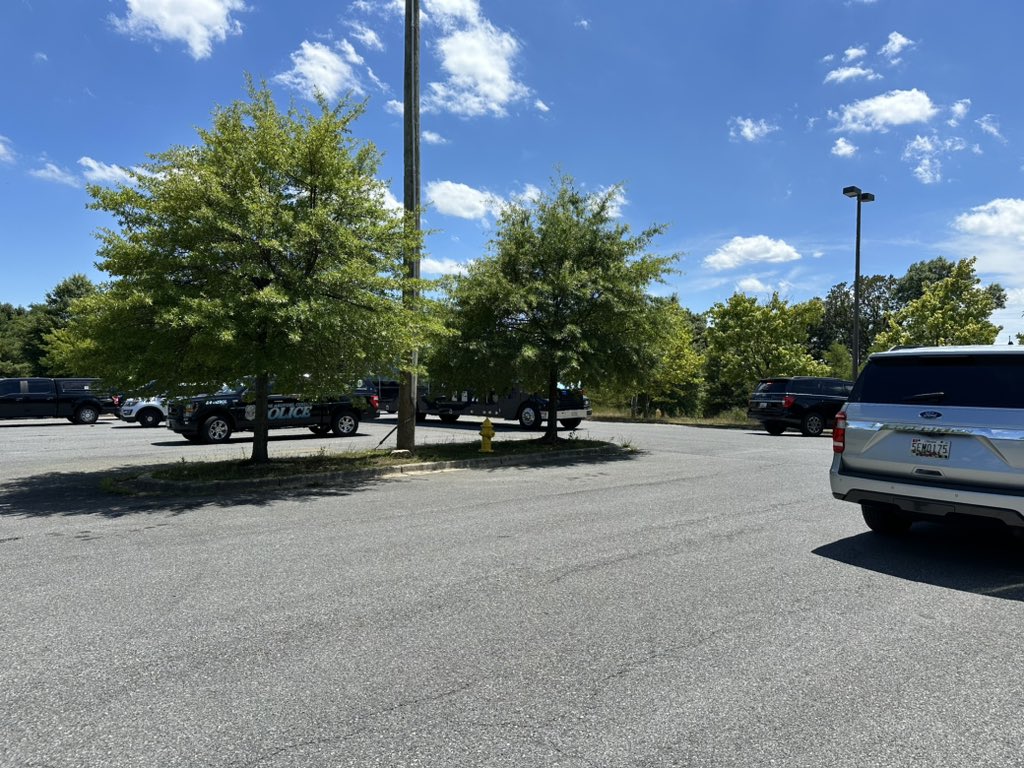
[[934, 429]]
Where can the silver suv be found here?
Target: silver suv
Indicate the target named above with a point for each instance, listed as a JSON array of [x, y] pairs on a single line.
[[933, 432]]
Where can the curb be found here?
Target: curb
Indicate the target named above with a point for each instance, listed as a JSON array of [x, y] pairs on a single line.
[[148, 483]]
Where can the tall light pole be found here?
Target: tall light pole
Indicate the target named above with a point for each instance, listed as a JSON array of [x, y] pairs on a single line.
[[407, 386], [861, 197]]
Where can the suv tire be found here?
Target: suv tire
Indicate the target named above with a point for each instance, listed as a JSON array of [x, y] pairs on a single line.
[[345, 424], [529, 418], [149, 417], [812, 424], [888, 521]]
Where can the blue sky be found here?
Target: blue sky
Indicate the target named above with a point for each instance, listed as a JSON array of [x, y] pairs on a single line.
[[735, 122]]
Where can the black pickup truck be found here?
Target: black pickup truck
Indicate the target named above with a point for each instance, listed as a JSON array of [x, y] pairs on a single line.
[[80, 401], [213, 418]]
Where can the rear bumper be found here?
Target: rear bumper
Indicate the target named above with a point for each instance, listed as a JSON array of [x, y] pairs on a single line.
[[928, 501]]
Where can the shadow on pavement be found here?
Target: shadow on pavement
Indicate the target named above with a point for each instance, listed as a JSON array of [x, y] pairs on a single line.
[[83, 493], [983, 561]]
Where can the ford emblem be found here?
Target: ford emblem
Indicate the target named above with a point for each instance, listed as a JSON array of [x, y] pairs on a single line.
[[931, 415]]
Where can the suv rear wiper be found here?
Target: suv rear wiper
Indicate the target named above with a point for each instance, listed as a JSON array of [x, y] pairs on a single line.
[[925, 397]]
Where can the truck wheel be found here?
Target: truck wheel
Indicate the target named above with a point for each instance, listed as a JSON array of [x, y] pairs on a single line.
[[86, 414], [216, 430], [345, 424], [570, 423], [449, 418], [149, 417], [529, 418]]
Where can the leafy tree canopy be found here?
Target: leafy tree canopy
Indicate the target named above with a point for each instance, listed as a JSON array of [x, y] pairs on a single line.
[[954, 310], [748, 341], [563, 296], [43, 319], [266, 250]]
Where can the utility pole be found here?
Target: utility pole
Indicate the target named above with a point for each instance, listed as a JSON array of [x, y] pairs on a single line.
[[407, 382]]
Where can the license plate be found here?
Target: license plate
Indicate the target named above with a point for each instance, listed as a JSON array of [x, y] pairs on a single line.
[[929, 448], [764, 404]]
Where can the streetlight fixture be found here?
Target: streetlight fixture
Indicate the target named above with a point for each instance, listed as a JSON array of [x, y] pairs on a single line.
[[860, 197]]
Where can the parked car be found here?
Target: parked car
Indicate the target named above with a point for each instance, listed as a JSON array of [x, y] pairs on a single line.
[[807, 403], [79, 400], [933, 433], [147, 411]]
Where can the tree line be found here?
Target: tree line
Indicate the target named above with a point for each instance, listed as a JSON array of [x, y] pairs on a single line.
[[267, 250]]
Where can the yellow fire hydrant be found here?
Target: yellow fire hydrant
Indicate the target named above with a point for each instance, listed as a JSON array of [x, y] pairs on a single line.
[[486, 433]]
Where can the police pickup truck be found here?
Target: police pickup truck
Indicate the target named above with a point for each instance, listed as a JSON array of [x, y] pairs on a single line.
[[213, 418], [80, 401], [529, 409]]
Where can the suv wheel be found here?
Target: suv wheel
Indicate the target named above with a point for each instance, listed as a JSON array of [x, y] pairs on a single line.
[[149, 417], [774, 427], [888, 521], [813, 424], [216, 430]]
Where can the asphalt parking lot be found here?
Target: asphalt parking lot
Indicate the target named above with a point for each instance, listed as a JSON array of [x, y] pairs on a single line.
[[702, 602]]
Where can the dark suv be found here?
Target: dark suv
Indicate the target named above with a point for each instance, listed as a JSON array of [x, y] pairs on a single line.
[[807, 403]]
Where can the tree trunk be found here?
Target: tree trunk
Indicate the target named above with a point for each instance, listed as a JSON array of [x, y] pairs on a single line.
[[551, 433], [261, 431]]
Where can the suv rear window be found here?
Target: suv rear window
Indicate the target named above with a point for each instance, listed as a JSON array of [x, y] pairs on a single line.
[[776, 385], [979, 381]]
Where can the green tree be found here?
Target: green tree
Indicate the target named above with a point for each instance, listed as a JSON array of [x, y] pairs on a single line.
[[954, 310], [12, 331], [267, 250], [43, 319], [836, 326], [748, 341], [562, 297], [674, 385], [922, 274]]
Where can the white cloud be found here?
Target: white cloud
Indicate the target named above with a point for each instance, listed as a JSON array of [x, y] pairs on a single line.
[[449, 12], [748, 250], [477, 60], [349, 52], [843, 148], [843, 74], [315, 67], [197, 23], [99, 173], [391, 202], [454, 199], [958, 111], [752, 285], [51, 172], [40, 56], [749, 129], [432, 266], [366, 36], [828, 58], [434, 138], [988, 124], [531, 194], [879, 113], [583, 23], [1001, 218], [896, 44], [926, 152], [854, 53], [540, 106], [6, 153], [395, 107]]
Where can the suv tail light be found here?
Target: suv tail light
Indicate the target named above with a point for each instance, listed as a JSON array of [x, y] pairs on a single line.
[[839, 433], [787, 401], [375, 402]]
